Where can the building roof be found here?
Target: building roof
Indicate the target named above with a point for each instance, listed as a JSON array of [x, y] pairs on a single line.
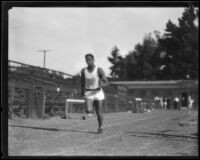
[[158, 84]]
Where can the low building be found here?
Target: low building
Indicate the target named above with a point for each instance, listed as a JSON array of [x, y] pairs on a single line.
[[167, 90]]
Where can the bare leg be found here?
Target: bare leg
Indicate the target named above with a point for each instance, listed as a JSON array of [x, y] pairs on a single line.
[[88, 107], [98, 107]]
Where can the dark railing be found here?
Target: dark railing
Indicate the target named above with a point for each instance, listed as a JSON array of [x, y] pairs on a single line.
[[40, 73], [14, 65]]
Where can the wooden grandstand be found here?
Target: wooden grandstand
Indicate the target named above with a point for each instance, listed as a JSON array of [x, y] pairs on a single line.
[[24, 80]]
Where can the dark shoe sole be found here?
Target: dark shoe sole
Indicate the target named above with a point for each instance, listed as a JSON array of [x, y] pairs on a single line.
[[100, 131], [84, 118]]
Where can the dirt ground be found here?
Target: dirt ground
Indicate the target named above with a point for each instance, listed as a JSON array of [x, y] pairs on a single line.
[[156, 133]]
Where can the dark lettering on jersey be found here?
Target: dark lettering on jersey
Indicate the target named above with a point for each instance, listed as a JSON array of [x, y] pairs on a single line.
[[90, 81]]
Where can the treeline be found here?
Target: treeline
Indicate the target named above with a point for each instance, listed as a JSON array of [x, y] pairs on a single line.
[[171, 56]]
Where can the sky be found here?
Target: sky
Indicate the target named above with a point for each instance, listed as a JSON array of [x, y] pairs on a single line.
[[70, 33]]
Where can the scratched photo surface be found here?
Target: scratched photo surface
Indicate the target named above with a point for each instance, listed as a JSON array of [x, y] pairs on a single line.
[[149, 56]]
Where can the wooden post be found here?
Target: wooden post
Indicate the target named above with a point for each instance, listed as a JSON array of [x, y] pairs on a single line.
[[116, 103], [12, 97], [33, 104], [133, 105], [66, 109], [105, 103], [31, 101], [28, 102], [43, 103], [148, 95], [39, 102]]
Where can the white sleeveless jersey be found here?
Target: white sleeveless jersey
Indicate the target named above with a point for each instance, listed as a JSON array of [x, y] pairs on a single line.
[[91, 78]]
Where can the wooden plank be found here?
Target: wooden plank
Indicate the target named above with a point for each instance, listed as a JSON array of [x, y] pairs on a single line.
[[76, 100]]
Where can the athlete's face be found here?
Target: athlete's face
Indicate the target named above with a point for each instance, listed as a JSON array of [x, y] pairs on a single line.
[[89, 61]]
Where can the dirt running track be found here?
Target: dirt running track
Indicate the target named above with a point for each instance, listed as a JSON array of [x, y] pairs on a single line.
[[156, 133]]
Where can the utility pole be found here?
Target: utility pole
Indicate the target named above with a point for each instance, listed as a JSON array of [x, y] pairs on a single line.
[[44, 51], [44, 87]]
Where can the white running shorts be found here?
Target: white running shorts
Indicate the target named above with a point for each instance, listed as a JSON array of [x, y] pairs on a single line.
[[95, 95]]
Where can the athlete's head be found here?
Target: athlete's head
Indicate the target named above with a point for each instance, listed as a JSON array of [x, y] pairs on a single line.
[[89, 59]]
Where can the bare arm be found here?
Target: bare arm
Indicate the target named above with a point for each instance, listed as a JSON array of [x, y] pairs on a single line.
[[102, 76], [82, 82]]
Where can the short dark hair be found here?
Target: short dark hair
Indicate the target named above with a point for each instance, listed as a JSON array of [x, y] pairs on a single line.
[[89, 55]]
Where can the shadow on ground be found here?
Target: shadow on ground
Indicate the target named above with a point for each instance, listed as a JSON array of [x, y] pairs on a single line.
[[52, 129], [173, 137]]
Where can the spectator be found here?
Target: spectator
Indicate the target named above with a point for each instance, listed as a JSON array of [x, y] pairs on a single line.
[[161, 102], [191, 101], [165, 103], [168, 103], [176, 100]]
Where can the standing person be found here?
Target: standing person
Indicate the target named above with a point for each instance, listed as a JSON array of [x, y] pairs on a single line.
[[176, 100], [91, 78], [165, 103], [191, 101], [161, 103], [168, 103]]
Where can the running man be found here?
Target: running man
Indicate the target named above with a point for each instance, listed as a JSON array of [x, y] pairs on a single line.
[[91, 78]]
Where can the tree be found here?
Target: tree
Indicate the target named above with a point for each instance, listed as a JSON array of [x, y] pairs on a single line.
[[181, 46], [173, 55], [140, 64], [117, 63]]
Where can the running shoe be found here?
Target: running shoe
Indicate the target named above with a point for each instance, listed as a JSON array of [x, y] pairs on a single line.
[[100, 131], [83, 118]]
